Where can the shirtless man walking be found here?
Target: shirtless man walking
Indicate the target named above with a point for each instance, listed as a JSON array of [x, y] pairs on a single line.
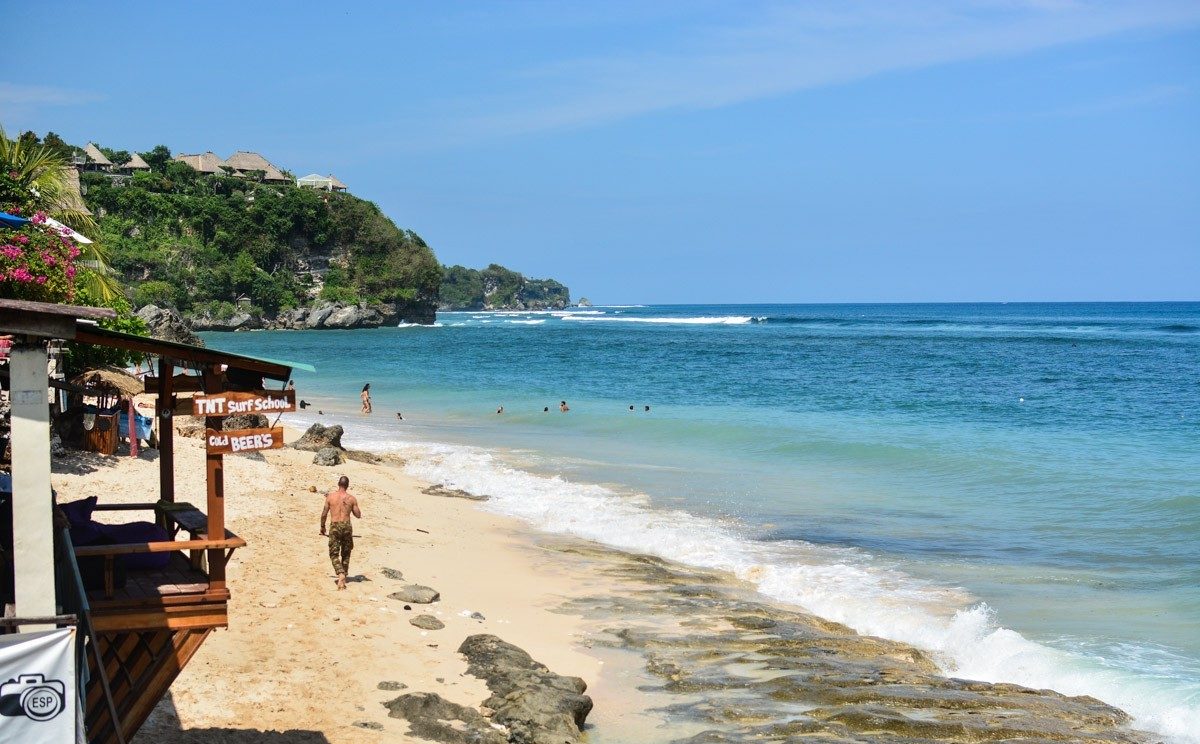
[[339, 505]]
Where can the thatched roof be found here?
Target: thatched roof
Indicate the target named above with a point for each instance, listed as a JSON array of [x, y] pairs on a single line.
[[337, 184], [246, 160], [207, 162], [95, 156], [136, 163], [109, 380]]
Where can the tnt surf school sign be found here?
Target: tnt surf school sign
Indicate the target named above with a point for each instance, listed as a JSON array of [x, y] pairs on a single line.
[[38, 702], [234, 403]]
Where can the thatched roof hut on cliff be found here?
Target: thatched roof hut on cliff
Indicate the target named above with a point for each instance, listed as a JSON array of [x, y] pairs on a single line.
[[246, 161], [207, 163]]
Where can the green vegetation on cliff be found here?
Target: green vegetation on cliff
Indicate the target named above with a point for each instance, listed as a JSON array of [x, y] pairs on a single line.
[[208, 244], [498, 288], [190, 240]]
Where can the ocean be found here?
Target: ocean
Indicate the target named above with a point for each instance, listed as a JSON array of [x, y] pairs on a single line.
[[1014, 488]]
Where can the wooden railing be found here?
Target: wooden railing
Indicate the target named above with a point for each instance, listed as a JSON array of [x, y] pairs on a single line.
[[174, 518]]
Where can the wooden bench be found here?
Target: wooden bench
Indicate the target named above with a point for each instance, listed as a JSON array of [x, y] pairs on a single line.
[[172, 517]]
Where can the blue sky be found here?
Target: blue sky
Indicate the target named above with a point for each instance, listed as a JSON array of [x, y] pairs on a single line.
[[988, 150]]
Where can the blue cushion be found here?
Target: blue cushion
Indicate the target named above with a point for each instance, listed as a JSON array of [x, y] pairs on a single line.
[[79, 513], [138, 532]]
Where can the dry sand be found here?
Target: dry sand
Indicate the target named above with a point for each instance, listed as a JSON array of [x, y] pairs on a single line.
[[303, 658]]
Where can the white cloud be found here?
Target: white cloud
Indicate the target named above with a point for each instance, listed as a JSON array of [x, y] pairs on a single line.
[[788, 48], [16, 94]]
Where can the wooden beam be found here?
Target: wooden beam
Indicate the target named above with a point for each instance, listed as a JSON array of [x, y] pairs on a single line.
[[166, 429], [215, 479], [179, 352], [23, 323]]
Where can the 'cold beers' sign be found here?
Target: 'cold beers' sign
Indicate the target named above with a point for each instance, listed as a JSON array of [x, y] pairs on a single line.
[[233, 441], [232, 403]]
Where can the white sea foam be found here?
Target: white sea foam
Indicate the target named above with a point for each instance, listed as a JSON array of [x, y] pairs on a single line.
[[534, 321], [841, 584], [698, 320], [420, 325]]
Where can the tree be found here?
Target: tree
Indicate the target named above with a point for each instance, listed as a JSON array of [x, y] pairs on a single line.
[[117, 157], [157, 158]]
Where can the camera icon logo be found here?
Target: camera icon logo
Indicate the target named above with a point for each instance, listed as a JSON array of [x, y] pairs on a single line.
[[32, 696]]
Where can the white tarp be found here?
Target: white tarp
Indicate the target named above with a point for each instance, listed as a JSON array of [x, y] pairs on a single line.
[[38, 703]]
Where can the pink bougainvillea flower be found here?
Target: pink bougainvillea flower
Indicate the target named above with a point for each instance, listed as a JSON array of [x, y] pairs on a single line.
[[70, 272], [38, 218], [22, 239]]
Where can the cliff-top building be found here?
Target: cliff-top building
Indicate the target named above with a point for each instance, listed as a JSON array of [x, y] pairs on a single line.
[[245, 162], [207, 163], [323, 183]]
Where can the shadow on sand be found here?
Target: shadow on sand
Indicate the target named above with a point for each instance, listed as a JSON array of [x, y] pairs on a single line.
[[163, 728]]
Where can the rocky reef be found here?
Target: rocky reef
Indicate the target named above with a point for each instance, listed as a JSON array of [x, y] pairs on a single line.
[[529, 703], [740, 670]]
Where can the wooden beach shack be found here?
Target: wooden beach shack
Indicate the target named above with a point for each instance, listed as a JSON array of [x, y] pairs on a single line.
[[138, 636]]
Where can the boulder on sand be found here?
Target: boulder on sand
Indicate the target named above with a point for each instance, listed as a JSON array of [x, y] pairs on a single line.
[[416, 594], [245, 421], [328, 456], [533, 703], [427, 622], [319, 437]]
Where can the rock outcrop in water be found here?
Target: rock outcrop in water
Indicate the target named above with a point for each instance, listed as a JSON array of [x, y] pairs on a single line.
[[749, 671]]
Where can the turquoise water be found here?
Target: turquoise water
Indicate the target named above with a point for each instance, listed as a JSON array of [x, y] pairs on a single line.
[[1015, 488]]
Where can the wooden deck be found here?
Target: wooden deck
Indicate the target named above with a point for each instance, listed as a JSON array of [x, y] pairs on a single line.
[[143, 587]]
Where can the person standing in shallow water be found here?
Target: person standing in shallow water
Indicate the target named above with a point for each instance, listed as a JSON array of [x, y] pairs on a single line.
[[339, 505], [365, 395], [563, 407]]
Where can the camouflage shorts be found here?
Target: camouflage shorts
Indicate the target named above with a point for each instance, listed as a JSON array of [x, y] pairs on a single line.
[[341, 542]]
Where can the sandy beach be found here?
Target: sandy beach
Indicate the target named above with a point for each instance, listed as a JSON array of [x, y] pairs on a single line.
[[301, 657], [669, 653]]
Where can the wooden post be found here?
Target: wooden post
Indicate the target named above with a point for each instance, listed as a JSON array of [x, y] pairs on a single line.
[[166, 429], [32, 510], [214, 383]]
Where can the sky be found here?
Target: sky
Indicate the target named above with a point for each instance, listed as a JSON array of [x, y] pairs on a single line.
[[685, 152]]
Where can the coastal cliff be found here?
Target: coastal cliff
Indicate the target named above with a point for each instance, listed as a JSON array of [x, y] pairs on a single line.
[[498, 288], [235, 249]]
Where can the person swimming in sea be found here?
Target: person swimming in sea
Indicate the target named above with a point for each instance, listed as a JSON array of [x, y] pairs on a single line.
[[563, 407], [500, 409], [546, 409], [399, 416], [631, 408], [647, 409]]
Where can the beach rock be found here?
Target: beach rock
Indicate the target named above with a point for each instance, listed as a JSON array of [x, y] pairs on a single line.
[[390, 686], [240, 321], [167, 325], [416, 594], [438, 490], [316, 316], [56, 445], [431, 716], [189, 426], [319, 437], [750, 671], [360, 456], [427, 622], [533, 703], [369, 725], [354, 316], [328, 456], [392, 574], [245, 421]]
